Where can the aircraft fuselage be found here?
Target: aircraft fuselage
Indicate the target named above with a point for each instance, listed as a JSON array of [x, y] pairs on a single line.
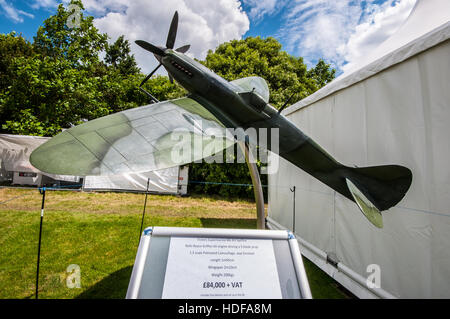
[[221, 98], [383, 186]]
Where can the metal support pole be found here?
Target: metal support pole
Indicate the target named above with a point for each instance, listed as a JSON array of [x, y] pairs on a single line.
[[257, 188], [143, 213], [293, 212], [42, 191]]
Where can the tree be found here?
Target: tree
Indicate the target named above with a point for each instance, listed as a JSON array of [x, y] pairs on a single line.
[[80, 45], [118, 55], [321, 74], [57, 84], [284, 73], [121, 88], [11, 47], [51, 93], [59, 80]]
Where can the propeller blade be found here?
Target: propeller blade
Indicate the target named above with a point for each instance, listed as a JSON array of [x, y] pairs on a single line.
[[172, 31], [183, 49], [153, 99], [148, 76], [150, 47]]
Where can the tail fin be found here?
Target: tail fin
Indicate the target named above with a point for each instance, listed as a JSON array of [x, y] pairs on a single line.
[[378, 188]]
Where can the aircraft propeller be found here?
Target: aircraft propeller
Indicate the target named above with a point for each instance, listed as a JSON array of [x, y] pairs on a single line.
[[159, 52]]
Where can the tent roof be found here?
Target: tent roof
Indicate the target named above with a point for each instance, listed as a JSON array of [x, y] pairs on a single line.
[[427, 25]]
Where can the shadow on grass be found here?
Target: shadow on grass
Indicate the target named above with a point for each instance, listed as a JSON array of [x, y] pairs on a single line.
[[112, 287], [228, 223]]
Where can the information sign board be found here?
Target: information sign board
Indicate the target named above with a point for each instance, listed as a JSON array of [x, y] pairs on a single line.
[[198, 263]]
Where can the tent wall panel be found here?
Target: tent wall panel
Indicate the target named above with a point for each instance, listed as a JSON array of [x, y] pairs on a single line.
[[161, 181], [397, 116]]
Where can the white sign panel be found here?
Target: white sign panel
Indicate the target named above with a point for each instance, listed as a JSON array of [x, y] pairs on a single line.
[[221, 268]]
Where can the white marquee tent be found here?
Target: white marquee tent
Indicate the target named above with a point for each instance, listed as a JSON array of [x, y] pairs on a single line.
[[165, 181], [394, 108], [15, 151]]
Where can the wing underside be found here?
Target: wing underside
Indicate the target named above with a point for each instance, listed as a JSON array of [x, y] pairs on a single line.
[[151, 137]]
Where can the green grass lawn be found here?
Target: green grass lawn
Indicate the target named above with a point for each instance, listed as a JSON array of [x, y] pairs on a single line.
[[100, 233]]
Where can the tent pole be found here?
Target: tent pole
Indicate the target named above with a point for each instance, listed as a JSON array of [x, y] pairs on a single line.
[[143, 213], [293, 212], [257, 188], [40, 237]]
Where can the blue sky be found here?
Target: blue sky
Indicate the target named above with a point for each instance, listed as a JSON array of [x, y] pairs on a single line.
[[339, 31]]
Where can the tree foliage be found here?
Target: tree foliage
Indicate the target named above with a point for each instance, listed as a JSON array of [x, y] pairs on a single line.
[[79, 46], [118, 55], [321, 74], [285, 74], [59, 80]]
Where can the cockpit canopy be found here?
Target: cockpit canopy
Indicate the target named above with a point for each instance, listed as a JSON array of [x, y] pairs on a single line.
[[253, 83]]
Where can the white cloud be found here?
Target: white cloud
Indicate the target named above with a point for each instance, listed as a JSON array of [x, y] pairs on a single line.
[[37, 4], [377, 27], [12, 13], [102, 7], [316, 28], [259, 8], [202, 25], [340, 31], [92, 6]]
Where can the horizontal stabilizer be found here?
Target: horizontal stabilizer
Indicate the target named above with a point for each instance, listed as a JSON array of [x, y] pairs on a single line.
[[378, 188], [365, 205]]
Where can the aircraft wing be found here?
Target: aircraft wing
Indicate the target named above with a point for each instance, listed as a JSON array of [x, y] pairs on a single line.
[[146, 138]]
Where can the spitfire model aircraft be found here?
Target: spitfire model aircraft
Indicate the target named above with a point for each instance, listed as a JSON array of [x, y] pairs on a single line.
[[141, 139]]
